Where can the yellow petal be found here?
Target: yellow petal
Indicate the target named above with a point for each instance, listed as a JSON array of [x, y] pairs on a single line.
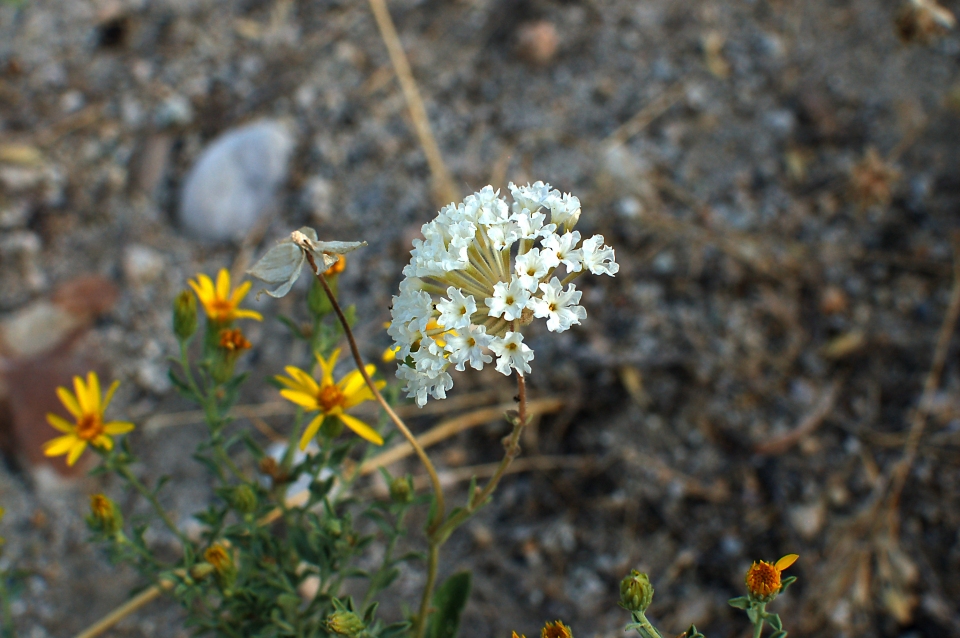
[[361, 428], [82, 397], [247, 314], [327, 366], [223, 284], [93, 392], [301, 399], [60, 423], [69, 402], [103, 442], [311, 431], [59, 445], [290, 383], [308, 383], [113, 428], [240, 292], [786, 561], [110, 391], [75, 453]]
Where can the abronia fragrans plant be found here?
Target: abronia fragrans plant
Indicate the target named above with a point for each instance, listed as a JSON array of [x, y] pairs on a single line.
[[483, 271]]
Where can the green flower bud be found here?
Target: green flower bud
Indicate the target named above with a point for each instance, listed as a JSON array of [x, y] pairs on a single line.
[[636, 592], [104, 516], [345, 623], [244, 499], [185, 315], [332, 527], [401, 490], [201, 571]]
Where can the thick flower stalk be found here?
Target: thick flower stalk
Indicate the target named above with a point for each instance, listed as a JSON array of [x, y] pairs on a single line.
[[86, 406], [483, 271]]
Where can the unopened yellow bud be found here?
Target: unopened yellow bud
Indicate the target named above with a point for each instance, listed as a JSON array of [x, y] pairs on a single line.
[[185, 315], [104, 515], [636, 592], [401, 490], [345, 623]]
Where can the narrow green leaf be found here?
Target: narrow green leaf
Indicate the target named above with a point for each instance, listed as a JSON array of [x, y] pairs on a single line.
[[449, 601]]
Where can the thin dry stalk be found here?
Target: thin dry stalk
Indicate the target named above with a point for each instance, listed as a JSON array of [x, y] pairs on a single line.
[[780, 444], [918, 420], [444, 188], [645, 116], [124, 610]]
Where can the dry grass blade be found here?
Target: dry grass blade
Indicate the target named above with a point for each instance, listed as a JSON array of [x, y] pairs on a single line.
[[780, 444], [444, 188], [121, 612], [918, 420], [645, 116]]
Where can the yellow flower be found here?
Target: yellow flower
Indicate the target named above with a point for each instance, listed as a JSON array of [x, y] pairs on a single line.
[[87, 408], [220, 304], [219, 556], [763, 578], [329, 398], [555, 630], [516, 636]]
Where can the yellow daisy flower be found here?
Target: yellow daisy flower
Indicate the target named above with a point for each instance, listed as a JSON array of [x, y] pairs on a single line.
[[763, 578], [555, 630], [329, 398], [220, 304], [87, 408]]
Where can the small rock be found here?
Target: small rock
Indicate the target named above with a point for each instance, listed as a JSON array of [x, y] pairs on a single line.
[[317, 196], [808, 520], [142, 265], [152, 376], [234, 181], [174, 111], [537, 42], [833, 301]]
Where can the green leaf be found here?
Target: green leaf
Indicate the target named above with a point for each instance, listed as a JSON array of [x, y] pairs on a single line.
[[292, 325], [789, 580], [779, 634], [449, 601], [774, 621], [740, 602], [693, 633]]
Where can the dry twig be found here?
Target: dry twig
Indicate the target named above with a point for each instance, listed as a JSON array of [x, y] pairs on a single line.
[[779, 444]]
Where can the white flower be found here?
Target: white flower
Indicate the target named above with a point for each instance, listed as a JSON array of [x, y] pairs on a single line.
[[533, 266], [512, 354], [466, 255], [565, 250], [531, 224], [564, 210], [597, 258], [530, 198], [456, 311], [508, 300], [558, 306], [466, 346], [420, 383]]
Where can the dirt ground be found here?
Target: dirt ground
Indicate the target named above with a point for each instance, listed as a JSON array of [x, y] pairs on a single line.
[[743, 388]]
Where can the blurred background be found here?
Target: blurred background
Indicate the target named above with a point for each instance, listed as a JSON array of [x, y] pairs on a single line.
[[770, 372]]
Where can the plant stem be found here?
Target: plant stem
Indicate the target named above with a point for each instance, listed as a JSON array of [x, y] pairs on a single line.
[[440, 511], [474, 502], [7, 630], [125, 472]]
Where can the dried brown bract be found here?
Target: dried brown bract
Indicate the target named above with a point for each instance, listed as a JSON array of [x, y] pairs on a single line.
[[923, 21], [872, 180]]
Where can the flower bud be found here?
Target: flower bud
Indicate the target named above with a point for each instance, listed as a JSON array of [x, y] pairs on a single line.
[[345, 623], [401, 490], [104, 516], [218, 555], [231, 344], [184, 315], [201, 571], [636, 592], [244, 499]]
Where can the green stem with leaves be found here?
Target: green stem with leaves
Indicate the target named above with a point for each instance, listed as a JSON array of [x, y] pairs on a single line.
[[124, 470]]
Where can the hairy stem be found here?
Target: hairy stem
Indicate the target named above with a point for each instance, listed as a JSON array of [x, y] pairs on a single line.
[[434, 478], [125, 472]]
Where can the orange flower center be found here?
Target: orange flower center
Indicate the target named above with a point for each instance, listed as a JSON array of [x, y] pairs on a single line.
[[330, 397], [220, 309], [89, 427], [233, 340], [763, 579]]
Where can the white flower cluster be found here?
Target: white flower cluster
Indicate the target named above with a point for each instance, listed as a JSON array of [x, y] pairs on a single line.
[[483, 270]]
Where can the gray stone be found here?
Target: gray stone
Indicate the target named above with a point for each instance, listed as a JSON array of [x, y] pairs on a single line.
[[234, 181]]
